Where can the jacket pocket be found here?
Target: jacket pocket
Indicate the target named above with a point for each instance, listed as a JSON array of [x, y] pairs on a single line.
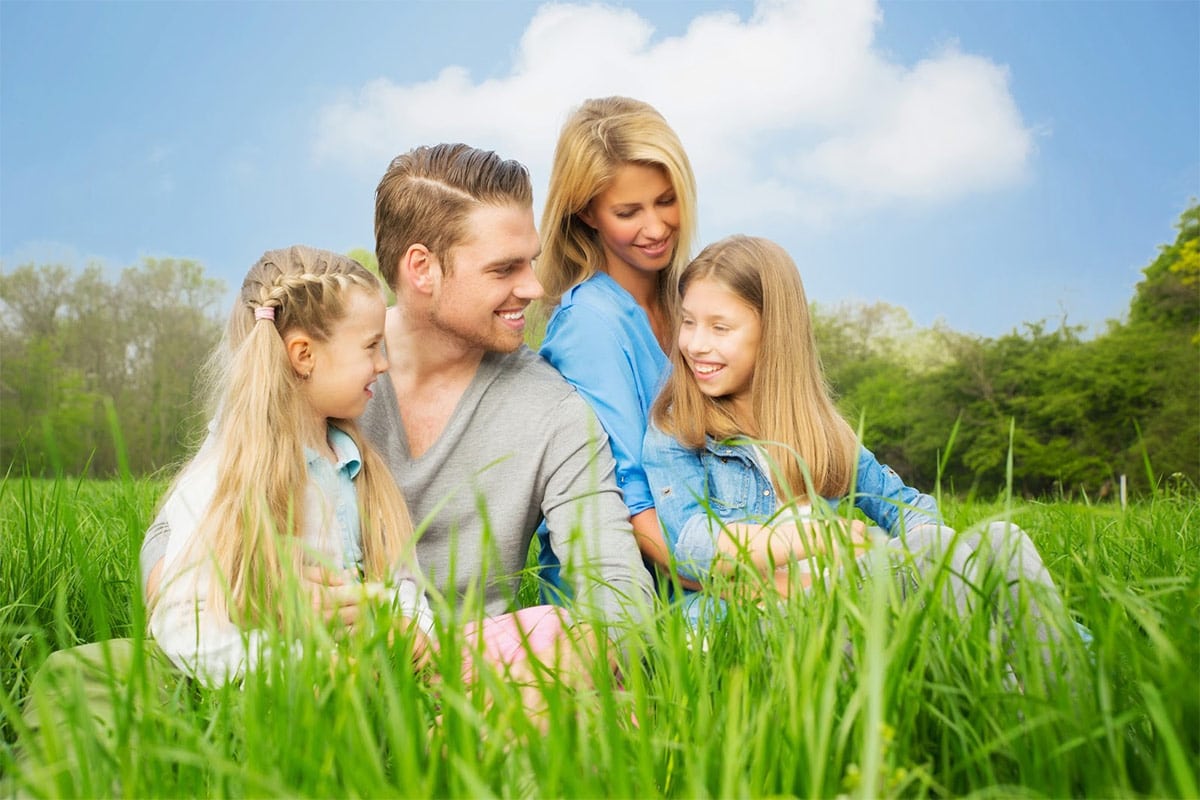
[[728, 485]]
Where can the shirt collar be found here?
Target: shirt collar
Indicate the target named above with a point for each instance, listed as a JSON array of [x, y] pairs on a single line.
[[348, 457]]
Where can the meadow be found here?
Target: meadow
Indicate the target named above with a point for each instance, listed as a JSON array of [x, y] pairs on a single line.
[[837, 692]]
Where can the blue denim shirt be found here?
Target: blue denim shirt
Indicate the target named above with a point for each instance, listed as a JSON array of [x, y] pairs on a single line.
[[728, 479]]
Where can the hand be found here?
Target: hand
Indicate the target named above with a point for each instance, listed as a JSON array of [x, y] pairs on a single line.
[[854, 540], [336, 597], [422, 646]]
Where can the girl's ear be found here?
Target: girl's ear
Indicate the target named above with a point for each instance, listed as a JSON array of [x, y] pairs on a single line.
[[417, 268], [300, 353]]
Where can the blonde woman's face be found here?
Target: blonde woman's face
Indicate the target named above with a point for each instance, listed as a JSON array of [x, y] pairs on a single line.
[[348, 362], [636, 217], [719, 336]]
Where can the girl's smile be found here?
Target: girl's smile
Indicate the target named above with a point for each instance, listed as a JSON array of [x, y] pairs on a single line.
[[719, 337]]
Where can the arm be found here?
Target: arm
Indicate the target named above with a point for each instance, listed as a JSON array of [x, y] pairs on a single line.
[[887, 500], [701, 541], [587, 349], [588, 522], [197, 635]]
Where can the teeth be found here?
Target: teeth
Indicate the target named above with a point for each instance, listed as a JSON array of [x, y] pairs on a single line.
[[513, 315], [706, 369]]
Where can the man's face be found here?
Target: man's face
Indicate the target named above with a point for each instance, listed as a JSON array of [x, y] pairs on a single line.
[[482, 302]]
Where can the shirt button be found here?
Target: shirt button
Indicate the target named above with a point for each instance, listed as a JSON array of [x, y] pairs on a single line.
[[766, 492]]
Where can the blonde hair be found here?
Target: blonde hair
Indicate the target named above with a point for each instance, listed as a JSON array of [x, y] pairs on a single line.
[[257, 509], [600, 137], [794, 416], [427, 193]]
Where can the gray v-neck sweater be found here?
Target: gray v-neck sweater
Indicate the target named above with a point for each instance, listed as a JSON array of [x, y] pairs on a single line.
[[519, 445]]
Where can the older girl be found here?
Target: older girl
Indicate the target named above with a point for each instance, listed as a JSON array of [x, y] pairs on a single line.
[[746, 452]]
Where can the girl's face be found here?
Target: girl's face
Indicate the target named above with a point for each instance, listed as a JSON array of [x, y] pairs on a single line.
[[637, 219], [346, 364], [719, 335]]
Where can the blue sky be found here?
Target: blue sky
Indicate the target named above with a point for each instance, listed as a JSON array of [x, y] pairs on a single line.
[[982, 164]]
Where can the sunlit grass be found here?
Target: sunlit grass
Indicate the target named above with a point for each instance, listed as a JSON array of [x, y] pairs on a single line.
[[833, 692]]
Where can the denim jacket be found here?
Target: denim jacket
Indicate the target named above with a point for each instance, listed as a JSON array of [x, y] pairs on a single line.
[[697, 491]]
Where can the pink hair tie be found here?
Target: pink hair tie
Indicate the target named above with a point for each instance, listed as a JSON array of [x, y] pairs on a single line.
[[264, 312]]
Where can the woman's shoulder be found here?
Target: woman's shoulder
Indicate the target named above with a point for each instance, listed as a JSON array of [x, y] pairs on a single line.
[[598, 294]]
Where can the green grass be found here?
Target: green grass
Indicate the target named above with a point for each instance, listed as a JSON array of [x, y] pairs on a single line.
[[835, 692]]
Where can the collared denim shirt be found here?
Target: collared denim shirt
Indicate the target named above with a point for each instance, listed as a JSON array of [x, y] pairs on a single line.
[[697, 491]]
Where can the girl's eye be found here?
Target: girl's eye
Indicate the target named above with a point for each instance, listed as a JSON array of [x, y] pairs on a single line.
[[686, 323]]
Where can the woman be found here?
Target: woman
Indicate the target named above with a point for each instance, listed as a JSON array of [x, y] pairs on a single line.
[[617, 228]]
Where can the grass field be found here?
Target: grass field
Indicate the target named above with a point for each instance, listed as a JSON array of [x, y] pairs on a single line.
[[836, 692]]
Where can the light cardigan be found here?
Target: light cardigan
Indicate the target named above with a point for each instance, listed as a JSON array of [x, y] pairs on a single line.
[[203, 641]]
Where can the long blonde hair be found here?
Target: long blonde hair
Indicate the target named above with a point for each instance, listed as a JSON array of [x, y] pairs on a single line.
[[257, 509], [794, 416], [601, 136]]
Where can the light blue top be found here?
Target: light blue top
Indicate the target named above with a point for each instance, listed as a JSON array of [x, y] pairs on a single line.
[[601, 341], [336, 483], [696, 491]]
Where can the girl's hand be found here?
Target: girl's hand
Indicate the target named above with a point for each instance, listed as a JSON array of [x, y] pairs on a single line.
[[856, 539], [336, 597]]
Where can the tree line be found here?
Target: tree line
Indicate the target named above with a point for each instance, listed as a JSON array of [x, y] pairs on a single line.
[[98, 376]]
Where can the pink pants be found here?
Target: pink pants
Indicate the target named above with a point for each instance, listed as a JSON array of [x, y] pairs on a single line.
[[512, 638]]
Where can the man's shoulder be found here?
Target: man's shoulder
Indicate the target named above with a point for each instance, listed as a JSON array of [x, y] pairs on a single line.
[[524, 371], [524, 383]]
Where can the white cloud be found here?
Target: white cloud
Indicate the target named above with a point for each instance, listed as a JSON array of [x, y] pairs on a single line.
[[793, 113]]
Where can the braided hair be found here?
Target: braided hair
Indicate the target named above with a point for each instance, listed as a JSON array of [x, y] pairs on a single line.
[[257, 511]]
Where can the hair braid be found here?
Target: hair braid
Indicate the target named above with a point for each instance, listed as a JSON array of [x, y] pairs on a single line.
[[258, 509]]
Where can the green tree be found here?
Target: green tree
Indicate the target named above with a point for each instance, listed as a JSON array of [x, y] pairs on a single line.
[[71, 340], [1169, 294]]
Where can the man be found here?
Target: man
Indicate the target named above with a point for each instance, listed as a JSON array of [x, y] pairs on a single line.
[[483, 436]]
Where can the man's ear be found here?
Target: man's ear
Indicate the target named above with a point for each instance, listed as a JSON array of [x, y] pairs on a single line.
[[300, 353], [419, 268]]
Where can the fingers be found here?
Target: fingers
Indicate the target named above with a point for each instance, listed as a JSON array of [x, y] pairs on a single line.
[[336, 601], [316, 573]]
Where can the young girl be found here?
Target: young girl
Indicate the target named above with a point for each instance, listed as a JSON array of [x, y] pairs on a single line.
[[285, 483], [617, 228], [287, 494], [746, 446]]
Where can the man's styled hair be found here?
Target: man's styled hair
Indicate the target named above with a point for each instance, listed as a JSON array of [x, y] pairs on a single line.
[[427, 193]]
